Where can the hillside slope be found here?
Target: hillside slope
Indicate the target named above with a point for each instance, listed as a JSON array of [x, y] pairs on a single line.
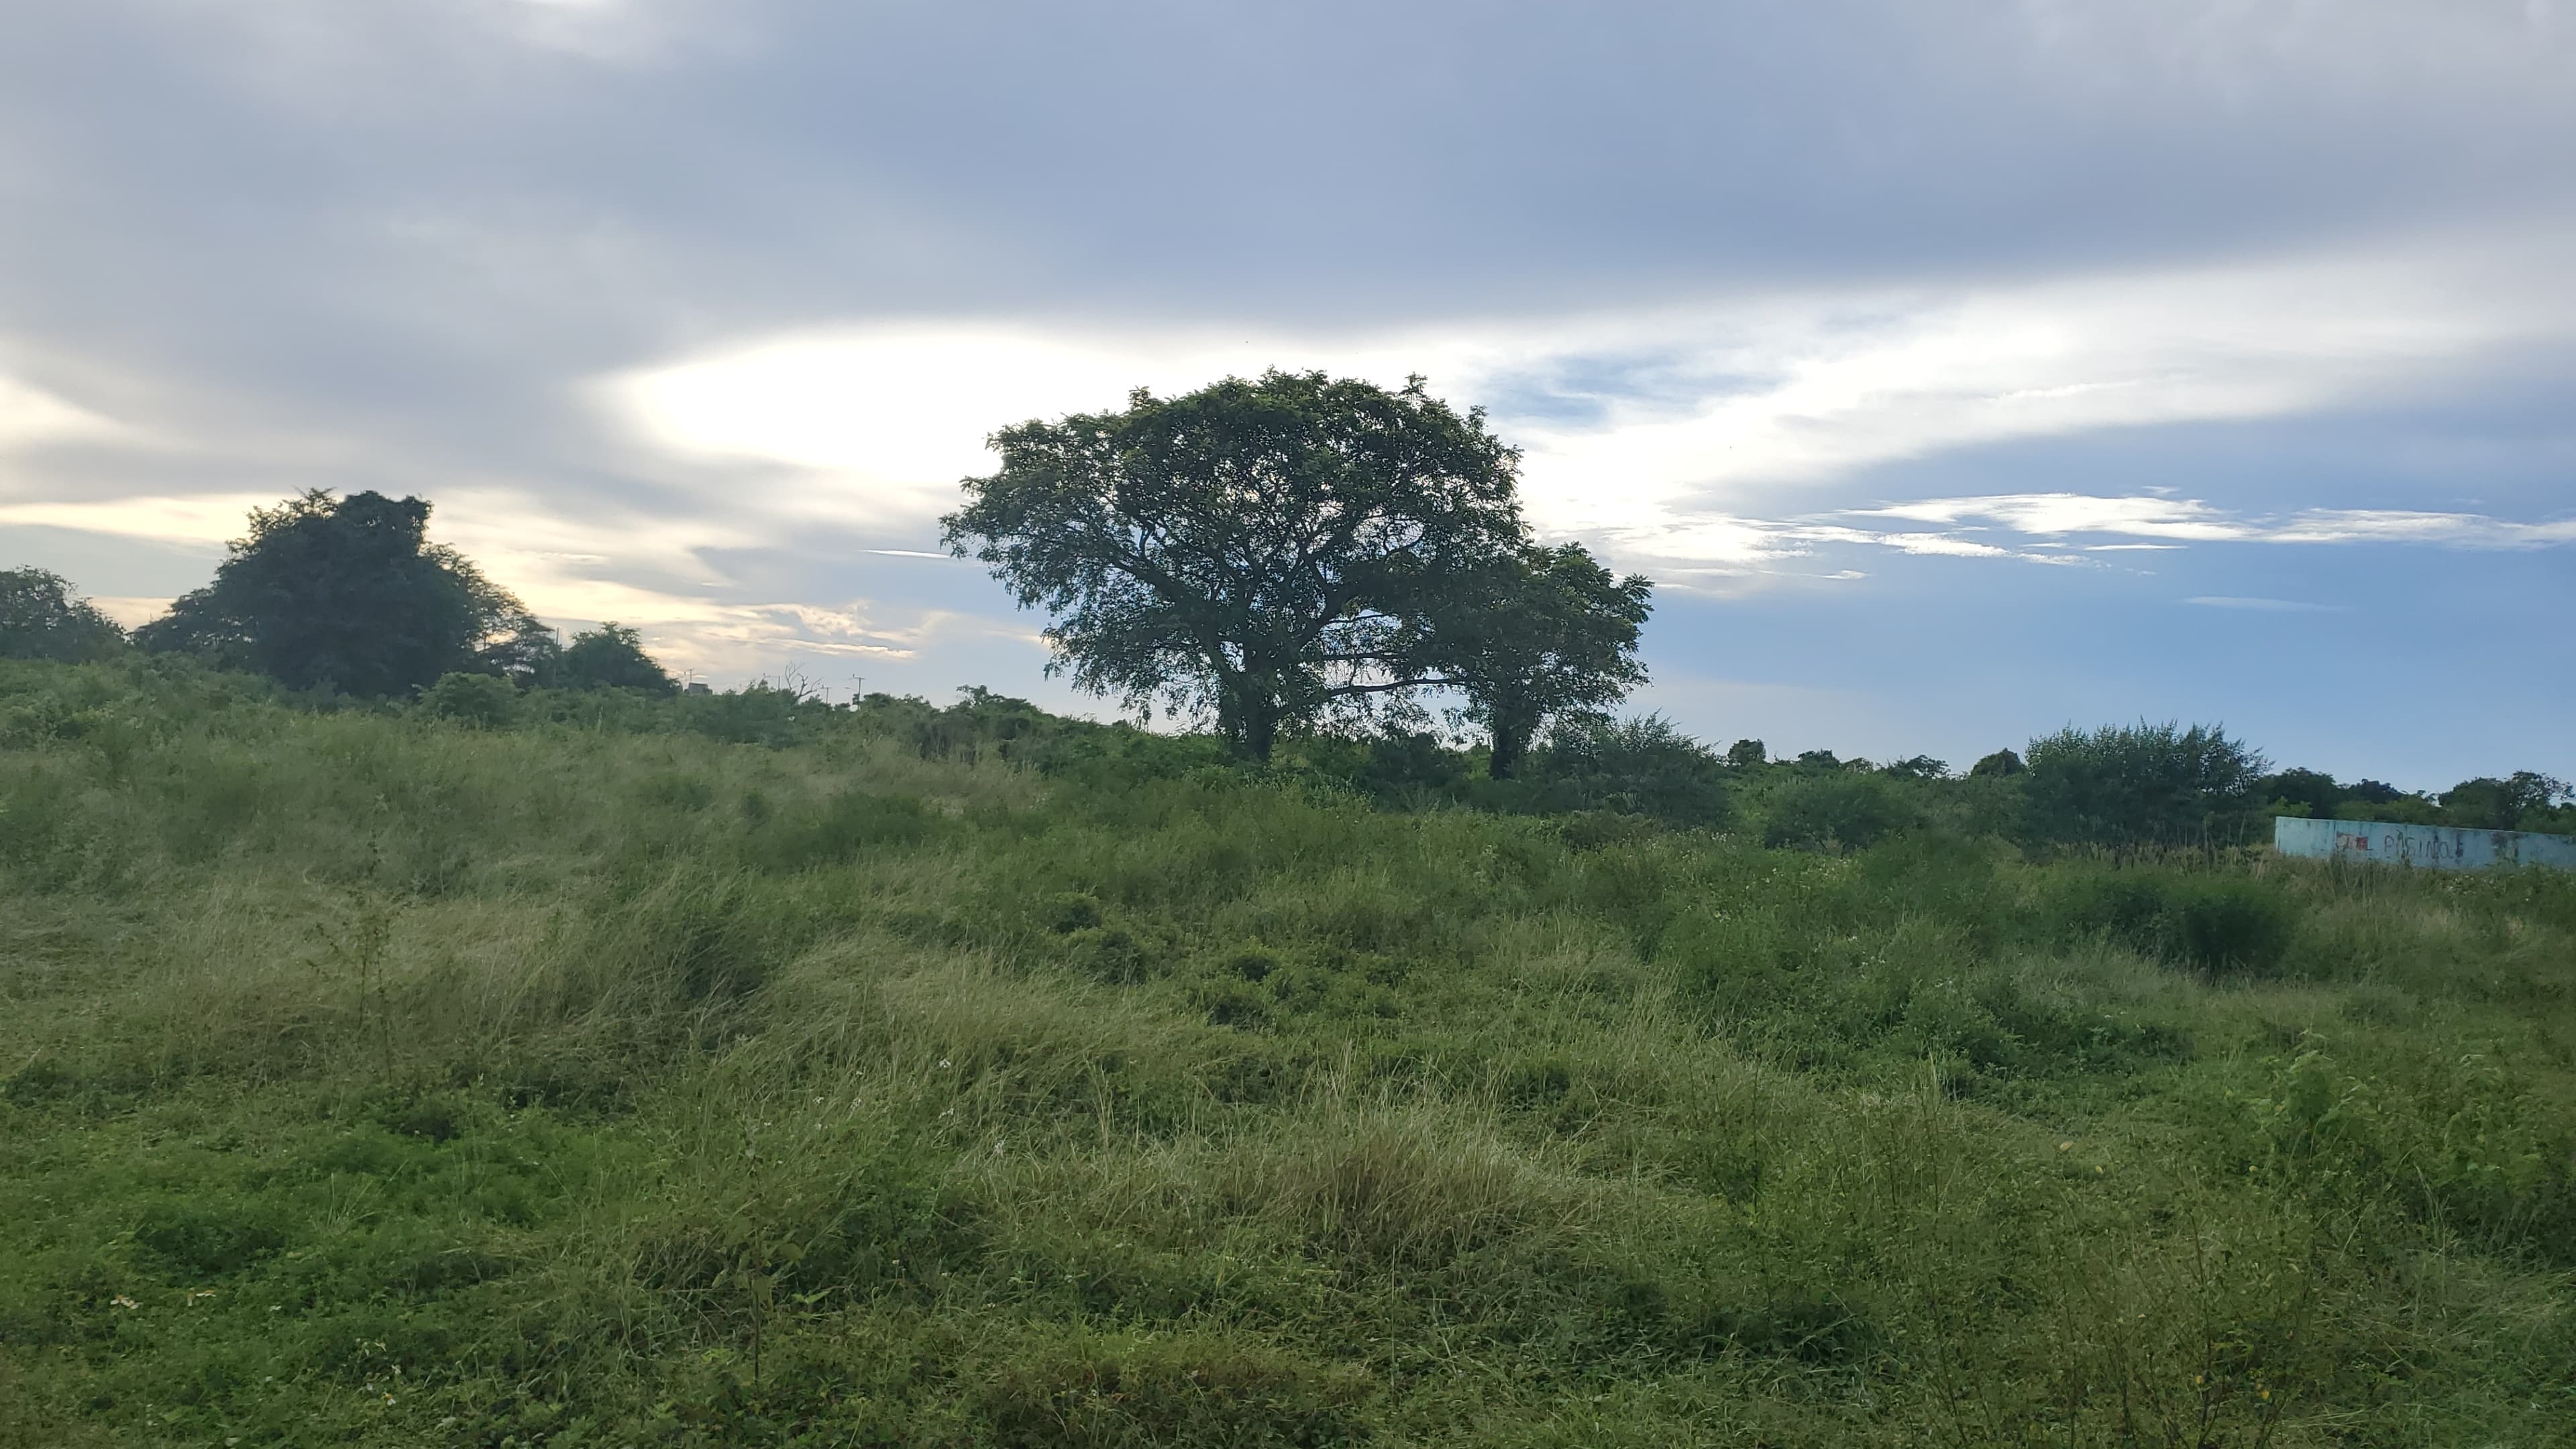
[[369, 1079]]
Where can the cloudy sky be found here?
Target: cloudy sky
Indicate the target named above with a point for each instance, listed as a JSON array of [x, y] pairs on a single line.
[[1957, 371]]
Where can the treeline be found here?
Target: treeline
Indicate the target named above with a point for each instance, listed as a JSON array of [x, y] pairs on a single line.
[[333, 597], [1307, 565]]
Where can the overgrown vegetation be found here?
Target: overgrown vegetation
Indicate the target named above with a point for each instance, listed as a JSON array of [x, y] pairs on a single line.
[[544, 1066]]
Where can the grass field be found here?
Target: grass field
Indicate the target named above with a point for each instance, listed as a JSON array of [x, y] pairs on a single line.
[[371, 1079]]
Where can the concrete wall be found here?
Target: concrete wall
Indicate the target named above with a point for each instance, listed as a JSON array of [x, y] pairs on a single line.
[[2442, 847]]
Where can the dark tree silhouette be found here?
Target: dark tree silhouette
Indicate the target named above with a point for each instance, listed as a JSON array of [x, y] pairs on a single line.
[[612, 657], [1262, 551], [348, 593], [1536, 635], [41, 618]]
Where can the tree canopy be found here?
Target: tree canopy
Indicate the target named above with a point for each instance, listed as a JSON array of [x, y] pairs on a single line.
[[349, 593], [2138, 784], [1272, 551], [1535, 635], [611, 657], [41, 618]]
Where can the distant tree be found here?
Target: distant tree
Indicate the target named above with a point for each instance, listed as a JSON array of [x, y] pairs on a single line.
[[1262, 551], [1536, 635], [41, 618], [1917, 767], [522, 649], [349, 593], [1818, 760], [2318, 791], [2132, 784], [612, 657], [2491, 804], [1996, 765], [1745, 754]]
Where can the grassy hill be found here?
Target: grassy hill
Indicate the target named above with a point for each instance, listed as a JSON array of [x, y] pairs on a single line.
[[733, 1071]]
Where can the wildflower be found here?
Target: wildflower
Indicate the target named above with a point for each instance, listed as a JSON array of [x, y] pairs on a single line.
[[2065, 1146], [121, 1301]]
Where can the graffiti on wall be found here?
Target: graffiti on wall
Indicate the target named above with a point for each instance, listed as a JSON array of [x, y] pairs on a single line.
[[2437, 847]]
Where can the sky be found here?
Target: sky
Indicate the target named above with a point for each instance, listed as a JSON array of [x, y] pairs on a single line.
[[1957, 372]]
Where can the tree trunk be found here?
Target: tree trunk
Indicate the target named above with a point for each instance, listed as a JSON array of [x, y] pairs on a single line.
[[1512, 728], [1248, 717]]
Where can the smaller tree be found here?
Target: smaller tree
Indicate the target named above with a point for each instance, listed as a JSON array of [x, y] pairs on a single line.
[[612, 657], [1996, 766], [41, 618], [1746, 754], [1538, 635], [2137, 784]]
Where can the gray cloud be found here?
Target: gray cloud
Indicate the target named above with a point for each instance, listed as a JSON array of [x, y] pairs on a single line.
[[267, 245]]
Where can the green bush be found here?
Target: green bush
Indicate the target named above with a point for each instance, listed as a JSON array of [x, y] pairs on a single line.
[[2144, 784], [484, 701], [1845, 810], [2207, 921]]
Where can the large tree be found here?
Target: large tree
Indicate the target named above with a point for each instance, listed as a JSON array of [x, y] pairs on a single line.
[[1536, 635], [1264, 551], [41, 618], [349, 593]]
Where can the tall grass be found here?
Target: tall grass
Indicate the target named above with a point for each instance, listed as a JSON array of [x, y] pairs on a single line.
[[376, 1078]]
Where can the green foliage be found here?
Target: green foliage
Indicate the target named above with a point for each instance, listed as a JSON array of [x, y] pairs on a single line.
[[41, 618], [485, 701], [2492, 804], [1827, 812], [1999, 764], [1538, 635], [2215, 923], [611, 657], [1263, 551], [903, 1074], [347, 594], [1638, 766], [2143, 784]]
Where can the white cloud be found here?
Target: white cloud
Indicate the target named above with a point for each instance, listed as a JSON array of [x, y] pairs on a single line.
[[30, 416], [2276, 606], [2192, 519], [200, 518], [1647, 430]]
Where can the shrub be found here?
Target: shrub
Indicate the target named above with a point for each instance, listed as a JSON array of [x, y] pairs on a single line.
[[1839, 811], [483, 701], [1639, 766], [2138, 784], [2211, 922]]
